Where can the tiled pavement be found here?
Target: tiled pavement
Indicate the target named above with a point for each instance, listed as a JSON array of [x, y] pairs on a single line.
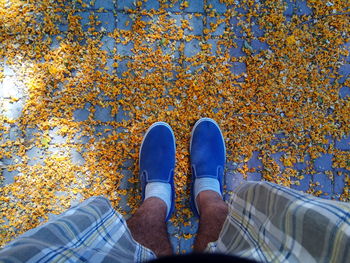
[[115, 14]]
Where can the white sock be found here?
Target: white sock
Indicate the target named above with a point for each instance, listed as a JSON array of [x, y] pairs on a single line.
[[160, 190], [205, 183]]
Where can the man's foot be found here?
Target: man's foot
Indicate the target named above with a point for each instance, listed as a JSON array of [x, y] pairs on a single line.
[[157, 164], [208, 157]]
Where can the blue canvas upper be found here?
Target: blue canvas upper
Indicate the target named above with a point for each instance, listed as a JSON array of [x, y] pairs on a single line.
[[157, 158], [208, 153]]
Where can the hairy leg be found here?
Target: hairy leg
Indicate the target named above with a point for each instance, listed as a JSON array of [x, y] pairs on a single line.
[[213, 212], [148, 226]]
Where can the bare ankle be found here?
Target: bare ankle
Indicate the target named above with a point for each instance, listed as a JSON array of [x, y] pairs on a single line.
[[208, 199], [213, 212], [148, 227]]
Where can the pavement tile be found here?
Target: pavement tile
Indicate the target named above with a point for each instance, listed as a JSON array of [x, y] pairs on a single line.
[[190, 69], [76, 199], [56, 41], [84, 21], [241, 10], [233, 179], [151, 46], [108, 22], [15, 133], [172, 49], [255, 162], [301, 8], [9, 176], [173, 236], [323, 163], [122, 67], [185, 245], [106, 4], [81, 114], [257, 45], [325, 184], [103, 113], [343, 57], [13, 110], [124, 21], [237, 51], [125, 206], [83, 4], [290, 5], [110, 70], [10, 87], [213, 43], [339, 181], [217, 5], [196, 23], [149, 20], [215, 46], [235, 28], [81, 139], [257, 31], [108, 44], [31, 133], [125, 49], [55, 137], [103, 130], [174, 7], [329, 139], [277, 158], [196, 6], [300, 166], [192, 48], [35, 156], [129, 163], [343, 144], [76, 157], [175, 18], [238, 68], [124, 183], [7, 161], [122, 115], [7, 70], [125, 4], [151, 4], [63, 22], [253, 176], [303, 183], [344, 92], [63, 27], [219, 31], [344, 72]]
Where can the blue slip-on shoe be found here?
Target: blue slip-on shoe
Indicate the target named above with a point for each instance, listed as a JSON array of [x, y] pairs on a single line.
[[208, 154], [157, 158]]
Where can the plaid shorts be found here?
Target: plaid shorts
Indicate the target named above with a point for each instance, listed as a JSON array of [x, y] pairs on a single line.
[[90, 232], [271, 223], [266, 222]]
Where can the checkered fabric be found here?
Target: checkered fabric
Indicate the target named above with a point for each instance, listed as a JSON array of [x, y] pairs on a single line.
[[270, 223], [266, 222], [91, 232]]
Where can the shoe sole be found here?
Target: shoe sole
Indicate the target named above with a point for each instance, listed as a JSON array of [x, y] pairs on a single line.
[[192, 203], [161, 123]]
